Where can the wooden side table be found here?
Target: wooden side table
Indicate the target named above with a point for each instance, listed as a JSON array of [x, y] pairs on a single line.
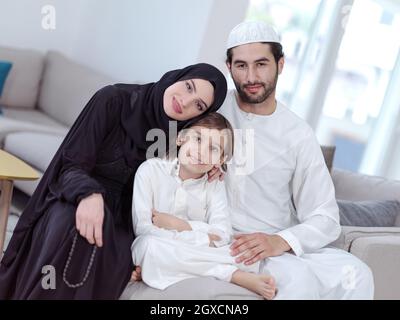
[[11, 168]]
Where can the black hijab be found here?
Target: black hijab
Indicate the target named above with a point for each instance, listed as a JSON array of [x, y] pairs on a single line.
[[146, 110]]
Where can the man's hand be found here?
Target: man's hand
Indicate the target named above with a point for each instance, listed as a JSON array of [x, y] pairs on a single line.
[[215, 173], [136, 274], [257, 246], [169, 222]]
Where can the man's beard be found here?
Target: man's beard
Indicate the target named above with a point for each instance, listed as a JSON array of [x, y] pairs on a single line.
[[268, 89]]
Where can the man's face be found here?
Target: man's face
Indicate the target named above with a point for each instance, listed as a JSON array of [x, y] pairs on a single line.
[[254, 72]]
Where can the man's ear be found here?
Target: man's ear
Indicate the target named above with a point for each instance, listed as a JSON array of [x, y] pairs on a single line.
[[228, 65], [281, 64]]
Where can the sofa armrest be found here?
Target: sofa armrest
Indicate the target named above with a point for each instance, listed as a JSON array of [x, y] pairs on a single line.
[[382, 255], [350, 234]]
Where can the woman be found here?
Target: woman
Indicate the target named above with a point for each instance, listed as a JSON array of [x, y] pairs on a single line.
[[78, 221]]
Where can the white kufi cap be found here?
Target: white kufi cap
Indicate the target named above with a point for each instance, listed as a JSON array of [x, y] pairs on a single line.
[[250, 32]]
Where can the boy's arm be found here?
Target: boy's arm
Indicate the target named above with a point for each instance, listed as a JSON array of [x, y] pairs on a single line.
[[218, 222], [142, 212]]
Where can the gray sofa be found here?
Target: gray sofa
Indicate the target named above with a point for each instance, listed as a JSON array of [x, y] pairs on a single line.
[[43, 95]]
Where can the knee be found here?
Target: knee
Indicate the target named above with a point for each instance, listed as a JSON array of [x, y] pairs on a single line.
[[359, 275], [296, 280], [143, 246], [365, 274]]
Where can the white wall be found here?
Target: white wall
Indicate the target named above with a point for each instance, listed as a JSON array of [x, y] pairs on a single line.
[[127, 39]]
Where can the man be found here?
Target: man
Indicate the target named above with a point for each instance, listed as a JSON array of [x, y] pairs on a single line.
[[282, 197], [280, 193]]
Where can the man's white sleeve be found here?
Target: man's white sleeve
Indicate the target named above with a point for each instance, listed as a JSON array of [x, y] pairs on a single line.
[[314, 201]]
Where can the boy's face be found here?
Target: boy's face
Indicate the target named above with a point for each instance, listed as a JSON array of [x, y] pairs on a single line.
[[201, 148], [254, 72], [188, 99]]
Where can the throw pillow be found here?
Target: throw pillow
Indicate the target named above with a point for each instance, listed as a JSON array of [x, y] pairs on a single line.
[[368, 213], [5, 68]]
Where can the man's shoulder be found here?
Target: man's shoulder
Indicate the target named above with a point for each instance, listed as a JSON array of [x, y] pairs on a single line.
[[293, 120]]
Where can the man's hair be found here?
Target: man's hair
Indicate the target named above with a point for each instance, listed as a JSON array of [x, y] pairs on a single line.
[[276, 49]]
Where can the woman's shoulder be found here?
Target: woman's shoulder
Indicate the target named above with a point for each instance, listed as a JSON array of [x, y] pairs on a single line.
[[109, 91]]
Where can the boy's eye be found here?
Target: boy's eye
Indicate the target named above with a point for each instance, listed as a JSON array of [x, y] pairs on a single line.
[[240, 66], [261, 64], [188, 86]]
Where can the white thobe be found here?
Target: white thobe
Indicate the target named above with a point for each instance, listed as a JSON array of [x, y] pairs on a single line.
[[168, 256], [278, 183]]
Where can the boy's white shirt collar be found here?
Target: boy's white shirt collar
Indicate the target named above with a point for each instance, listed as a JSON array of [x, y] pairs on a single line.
[[174, 171]]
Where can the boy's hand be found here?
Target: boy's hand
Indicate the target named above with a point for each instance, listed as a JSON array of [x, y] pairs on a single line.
[[215, 173], [136, 274], [213, 238], [169, 222]]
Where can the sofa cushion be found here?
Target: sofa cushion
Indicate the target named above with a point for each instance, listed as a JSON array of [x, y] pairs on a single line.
[[67, 87], [204, 288], [368, 213], [22, 86], [358, 187], [17, 120], [35, 117], [382, 255], [36, 149]]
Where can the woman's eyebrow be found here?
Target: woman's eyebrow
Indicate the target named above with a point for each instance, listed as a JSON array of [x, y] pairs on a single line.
[[194, 89]]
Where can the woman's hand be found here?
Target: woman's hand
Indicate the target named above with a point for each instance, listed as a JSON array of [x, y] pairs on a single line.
[[215, 173], [89, 218], [169, 222], [136, 274]]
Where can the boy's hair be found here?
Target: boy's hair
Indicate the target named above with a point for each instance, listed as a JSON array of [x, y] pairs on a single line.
[[217, 121], [276, 50]]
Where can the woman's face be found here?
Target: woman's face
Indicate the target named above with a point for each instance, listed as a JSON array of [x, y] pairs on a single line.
[[188, 99], [201, 148]]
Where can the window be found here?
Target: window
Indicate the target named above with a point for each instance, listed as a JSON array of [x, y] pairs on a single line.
[[359, 83]]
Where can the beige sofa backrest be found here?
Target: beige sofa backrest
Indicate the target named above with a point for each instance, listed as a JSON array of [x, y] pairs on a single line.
[[67, 86], [358, 187], [23, 82]]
